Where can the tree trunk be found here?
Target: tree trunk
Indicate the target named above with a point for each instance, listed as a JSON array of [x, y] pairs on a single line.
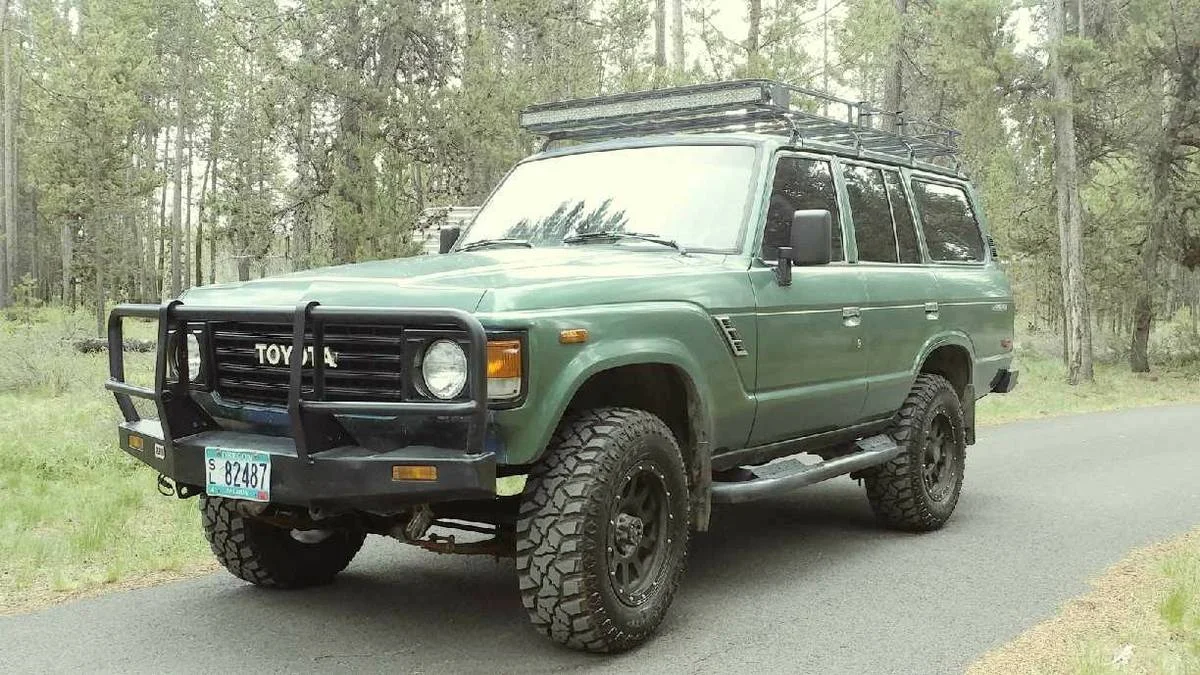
[[7, 213], [1163, 161], [98, 263], [67, 247], [177, 203], [198, 254], [1078, 333], [187, 219], [893, 79], [162, 221], [677, 33], [753, 33], [302, 223], [660, 33]]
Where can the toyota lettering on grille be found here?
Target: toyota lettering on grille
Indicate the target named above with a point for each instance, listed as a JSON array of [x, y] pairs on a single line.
[[281, 355]]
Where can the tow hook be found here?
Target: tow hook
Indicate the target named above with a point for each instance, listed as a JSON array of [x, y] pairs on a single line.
[[167, 488]]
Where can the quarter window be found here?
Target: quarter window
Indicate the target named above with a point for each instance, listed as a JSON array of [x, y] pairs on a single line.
[[871, 213], [906, 230], [799, 184], [951, 231]]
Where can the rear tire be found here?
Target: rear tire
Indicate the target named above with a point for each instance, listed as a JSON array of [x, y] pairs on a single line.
[[603, 530], [266, 555], [918, 489]]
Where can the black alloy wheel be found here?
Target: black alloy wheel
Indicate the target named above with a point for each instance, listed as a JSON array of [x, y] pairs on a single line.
[[638, 533], [940, 458]]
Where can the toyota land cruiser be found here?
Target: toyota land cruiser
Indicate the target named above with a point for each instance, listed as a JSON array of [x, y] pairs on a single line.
[[682, 290]]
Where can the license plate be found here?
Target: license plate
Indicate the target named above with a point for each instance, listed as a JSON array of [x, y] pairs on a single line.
[[240, 474]]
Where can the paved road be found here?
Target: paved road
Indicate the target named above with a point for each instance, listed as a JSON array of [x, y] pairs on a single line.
[[805, 583]]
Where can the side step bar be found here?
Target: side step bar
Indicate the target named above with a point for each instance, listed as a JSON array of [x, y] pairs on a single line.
[[788, 475]]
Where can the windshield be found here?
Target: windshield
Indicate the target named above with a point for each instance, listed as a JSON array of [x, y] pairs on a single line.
[[691, 194]]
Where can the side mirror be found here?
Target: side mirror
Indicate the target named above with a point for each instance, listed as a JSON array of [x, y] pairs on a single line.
[[449, 237], [811, 243], [812, 237]]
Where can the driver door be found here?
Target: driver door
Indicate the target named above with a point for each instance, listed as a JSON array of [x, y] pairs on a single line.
[[811, 364]]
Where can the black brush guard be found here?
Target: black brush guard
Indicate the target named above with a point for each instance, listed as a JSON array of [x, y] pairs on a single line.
[[319, 463]]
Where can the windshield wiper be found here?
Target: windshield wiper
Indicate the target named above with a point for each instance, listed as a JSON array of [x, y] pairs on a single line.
[[489, 243], [613, 236]]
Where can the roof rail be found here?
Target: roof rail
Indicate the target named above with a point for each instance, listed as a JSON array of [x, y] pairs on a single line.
[[812, 118]]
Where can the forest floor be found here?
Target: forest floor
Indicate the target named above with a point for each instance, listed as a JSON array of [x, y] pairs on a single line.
[[1141, 616], [77, 516]]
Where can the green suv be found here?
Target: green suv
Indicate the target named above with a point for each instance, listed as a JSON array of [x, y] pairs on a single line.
[[683, 290]]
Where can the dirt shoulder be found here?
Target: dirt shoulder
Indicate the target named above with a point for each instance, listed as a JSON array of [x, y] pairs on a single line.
[[1141, 616]]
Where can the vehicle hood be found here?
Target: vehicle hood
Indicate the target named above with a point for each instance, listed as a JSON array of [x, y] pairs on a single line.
[[497, 280]]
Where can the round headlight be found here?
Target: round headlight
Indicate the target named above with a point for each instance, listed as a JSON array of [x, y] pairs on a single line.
[[444, 369], [193, 357]]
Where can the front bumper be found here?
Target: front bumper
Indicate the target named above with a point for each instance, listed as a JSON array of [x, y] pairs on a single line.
[[319, 462], [346, 475]]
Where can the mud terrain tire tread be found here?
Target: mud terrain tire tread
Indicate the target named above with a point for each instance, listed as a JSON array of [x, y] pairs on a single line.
[[895, 489], [268, 556], [559, 566]]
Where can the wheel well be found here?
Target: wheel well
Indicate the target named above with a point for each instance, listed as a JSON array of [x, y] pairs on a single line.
[[951, 362], [657, 388]]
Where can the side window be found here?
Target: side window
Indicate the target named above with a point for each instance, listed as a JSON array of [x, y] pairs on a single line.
[[951, 233], [871, 214], [906, 229], [799, 184]]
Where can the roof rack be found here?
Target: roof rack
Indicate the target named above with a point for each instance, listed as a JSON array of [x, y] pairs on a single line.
[[812, 118]]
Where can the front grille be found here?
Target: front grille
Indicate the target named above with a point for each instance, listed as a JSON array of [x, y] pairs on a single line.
[[370, 363]]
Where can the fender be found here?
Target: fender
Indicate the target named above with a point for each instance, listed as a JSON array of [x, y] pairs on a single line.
[[954, 337], [661, 350]]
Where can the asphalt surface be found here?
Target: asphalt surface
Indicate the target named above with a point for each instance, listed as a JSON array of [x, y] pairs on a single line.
[[803, 583]]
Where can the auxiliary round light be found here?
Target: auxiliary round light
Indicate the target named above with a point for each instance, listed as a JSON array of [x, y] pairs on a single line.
[[193, 357], [444, 369]]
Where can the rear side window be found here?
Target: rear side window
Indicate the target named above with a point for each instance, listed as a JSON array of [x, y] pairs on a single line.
[[871, 213], [951, 232], [906, 229], [799, 184]]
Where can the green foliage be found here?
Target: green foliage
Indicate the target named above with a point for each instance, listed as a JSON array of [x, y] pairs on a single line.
[[77, 512]]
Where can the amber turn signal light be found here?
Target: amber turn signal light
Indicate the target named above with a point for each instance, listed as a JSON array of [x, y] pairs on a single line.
[[504, 359], [414, 472], [573, 336]]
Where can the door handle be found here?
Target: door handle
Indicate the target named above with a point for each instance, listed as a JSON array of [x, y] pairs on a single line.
[[931, 311], [851, 316]]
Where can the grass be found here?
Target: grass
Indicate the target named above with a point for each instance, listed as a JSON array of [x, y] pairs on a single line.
[[1142, 616], [1042, 390], [78, 516]]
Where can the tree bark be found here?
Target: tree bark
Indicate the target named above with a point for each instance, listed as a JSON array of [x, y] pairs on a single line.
[[187, 219], [6, 175], [1078, 333], [302, 221], [67, 248], [159, 262], [177, 203], [198, 254], [677, 33], [1164, 159], [98, 263], [893, 79], [660, 33], [753, 33]]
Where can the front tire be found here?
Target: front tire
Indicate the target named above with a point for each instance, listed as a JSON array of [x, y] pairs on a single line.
[[918, 489], [275, 557], [603, 530]]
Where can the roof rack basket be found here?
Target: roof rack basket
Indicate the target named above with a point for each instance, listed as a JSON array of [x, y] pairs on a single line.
[[813, 119]]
